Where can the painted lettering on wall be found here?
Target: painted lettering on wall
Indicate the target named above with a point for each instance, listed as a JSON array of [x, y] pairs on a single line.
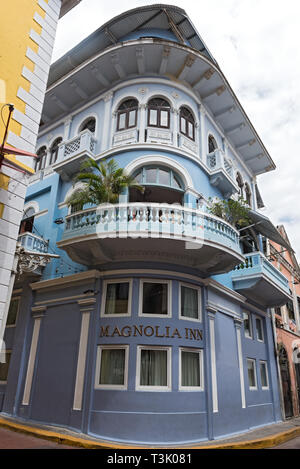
[[151, 331]]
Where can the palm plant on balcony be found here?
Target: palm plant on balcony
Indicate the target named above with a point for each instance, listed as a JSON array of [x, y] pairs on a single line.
[[235, 212], [103, 182]]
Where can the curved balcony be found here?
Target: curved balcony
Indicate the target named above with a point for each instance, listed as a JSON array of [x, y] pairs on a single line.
[[151, 232], [258, 280]]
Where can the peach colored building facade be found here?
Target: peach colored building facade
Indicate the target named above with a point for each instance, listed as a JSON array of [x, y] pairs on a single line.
[[288, 327]]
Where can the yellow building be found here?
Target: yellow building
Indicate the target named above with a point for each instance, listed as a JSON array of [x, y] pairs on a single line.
[[27, 36]]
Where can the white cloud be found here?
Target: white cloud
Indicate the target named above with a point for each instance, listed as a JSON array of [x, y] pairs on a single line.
[[256, 44]]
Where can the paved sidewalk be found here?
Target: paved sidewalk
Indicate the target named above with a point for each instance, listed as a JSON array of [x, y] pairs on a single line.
[[263, 437]]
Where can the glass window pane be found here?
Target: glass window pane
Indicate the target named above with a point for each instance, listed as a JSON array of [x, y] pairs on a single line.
[[117, 298], [164, 177], [182, 125], [190, 130], [247, 325], [153, 117], [155, 298], [132, 118], [263, 375], [112, 366], [151, 176], [190, 369], [259, 329], [176, 182], [139, 177], [251, 373], [12, 312], [189, 303], [164, 118], [122, 121], [153, 368]]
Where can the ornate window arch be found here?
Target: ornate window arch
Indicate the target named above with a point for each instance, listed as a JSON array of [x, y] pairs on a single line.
[[41, 158], [127, 114], [54, 150], [27, 221], [187, 122], [159, 110], [160, 175], [212, 144], [89, 123]]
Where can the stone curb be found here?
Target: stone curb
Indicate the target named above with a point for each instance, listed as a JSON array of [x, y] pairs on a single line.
[[260, 443]]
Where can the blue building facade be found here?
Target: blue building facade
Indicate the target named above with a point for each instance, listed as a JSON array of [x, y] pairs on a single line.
[[146, 321]]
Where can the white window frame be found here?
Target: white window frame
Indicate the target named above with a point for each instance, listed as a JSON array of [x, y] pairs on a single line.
[[119, 280], [250, 325], [262, 329], [188, 285], [140, 387], [120, 387], [169, 298], [201, 367], [13, 299], [8, 352], [252, 388], [265, 364]]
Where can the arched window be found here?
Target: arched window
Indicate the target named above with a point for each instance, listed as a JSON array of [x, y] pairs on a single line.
[[247, 194], [41, 159], [159, 113], [240, 183], [89, 124], [127, 114], [54, 150], [187, 123], [212, 144], [27, 221]]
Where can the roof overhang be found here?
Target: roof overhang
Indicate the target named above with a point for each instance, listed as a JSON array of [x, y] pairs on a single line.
[[147, 59], [67, 5], [264, 226]]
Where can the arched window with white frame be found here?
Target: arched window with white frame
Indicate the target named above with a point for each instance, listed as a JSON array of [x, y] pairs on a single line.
[[187, 123], [127, 114], [40, 162], [88, 124], [54, 150], [248, 194], [212, 144], [159, 110]]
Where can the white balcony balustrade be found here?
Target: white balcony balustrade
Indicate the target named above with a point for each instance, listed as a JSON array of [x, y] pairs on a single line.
[[151, 231], [258, 279], [32, 242], [221, 172], [72, 152]]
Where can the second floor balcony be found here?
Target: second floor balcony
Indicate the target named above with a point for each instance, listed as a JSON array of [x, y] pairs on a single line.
[[258, 280], [168, 233], [33, 242], [221, 172], [73, 152]]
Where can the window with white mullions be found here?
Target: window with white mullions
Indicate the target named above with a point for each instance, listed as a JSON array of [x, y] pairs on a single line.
[[127, 114], [54, 150], [252, 380], [155, 298], [187, 123], [153, 368], [264, 375], [159, 113], [247, 325], [112, 367], [40, 162], [116, 298], [190, 302], [190, 369], [259, 329]]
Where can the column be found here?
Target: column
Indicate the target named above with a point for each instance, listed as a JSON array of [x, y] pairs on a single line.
[[238, 326], [175, 126], [86, 307], [213, 362], [202, 137], [105, 144], [38, 314], [142, 129], [67, 128]]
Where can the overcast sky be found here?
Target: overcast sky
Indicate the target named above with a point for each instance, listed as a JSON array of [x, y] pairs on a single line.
[[256, 43]]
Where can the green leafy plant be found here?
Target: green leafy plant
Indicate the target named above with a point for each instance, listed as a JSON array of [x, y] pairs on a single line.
[[235, 212], [103, 182]]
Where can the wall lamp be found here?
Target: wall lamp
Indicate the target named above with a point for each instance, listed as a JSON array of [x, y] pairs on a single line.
[[59, 221]]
